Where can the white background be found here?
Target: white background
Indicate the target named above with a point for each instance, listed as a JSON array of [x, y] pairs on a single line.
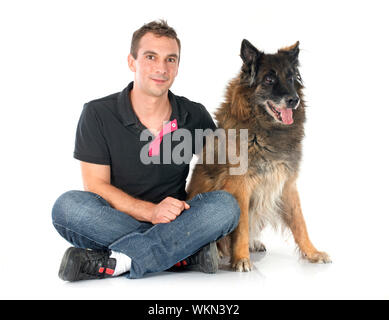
[[57, 55]]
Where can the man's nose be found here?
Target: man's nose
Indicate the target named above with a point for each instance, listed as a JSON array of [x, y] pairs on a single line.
[[292, 102], [161, 67]]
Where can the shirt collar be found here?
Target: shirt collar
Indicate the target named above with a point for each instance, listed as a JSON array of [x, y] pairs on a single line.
[[128, 116]]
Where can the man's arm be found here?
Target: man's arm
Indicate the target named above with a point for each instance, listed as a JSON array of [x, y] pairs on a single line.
[[97, 179]]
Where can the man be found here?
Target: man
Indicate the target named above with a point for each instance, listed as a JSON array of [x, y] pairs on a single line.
[[132, 217]]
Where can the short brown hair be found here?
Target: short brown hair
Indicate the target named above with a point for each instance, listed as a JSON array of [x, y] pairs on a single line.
[[159, 28]]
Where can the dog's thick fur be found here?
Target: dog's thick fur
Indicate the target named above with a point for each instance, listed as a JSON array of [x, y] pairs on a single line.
[[267, 192]]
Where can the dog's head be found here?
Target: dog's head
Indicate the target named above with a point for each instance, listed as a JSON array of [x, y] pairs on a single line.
[[275, 81]]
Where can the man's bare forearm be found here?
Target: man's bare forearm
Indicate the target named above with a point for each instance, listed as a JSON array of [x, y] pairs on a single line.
[[118, 199]]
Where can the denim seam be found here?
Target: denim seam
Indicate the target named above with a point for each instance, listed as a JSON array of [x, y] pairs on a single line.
[[92, 240]]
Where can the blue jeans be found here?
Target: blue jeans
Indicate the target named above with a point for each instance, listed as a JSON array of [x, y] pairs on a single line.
[[86, 220]]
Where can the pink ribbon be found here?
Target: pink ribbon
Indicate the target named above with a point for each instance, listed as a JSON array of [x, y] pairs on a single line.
[[154, 145]]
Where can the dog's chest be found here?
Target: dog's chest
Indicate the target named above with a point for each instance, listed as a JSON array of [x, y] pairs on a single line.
[[265, 202]]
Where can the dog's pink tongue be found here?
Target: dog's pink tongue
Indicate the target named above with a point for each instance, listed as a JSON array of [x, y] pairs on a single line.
[[287, 115]]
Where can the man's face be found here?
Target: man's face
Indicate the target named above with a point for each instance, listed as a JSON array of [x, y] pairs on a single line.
[[156, 65]]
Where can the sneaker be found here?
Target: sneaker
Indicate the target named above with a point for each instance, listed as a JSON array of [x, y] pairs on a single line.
[[205, 260], [84, 264]]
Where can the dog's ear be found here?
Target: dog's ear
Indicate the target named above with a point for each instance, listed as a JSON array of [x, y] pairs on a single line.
[[248, 52], [250, 56], [291, 52]]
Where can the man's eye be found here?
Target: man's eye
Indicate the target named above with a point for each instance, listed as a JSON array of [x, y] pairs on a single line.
[[171, 60], [150, 57]]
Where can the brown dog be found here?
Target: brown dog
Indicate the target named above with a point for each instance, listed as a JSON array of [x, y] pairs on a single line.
[[266, 99]]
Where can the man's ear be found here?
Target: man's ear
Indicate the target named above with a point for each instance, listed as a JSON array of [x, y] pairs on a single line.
[[131, 62], [178, 67]]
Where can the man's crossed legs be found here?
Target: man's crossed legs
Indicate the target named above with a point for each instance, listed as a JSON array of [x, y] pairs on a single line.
[[87, 221]]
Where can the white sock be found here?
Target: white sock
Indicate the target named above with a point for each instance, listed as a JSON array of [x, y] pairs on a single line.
[[123, 262]]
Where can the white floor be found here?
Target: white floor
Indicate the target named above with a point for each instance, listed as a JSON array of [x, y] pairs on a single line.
[[277, 274]]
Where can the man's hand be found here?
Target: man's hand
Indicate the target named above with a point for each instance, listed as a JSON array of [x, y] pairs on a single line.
[[168, 210], [97, 179]]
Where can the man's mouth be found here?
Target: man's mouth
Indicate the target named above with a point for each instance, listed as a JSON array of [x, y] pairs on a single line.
[[159, 81], [280, 114]]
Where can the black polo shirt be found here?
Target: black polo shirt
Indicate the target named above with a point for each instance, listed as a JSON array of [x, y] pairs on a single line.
[[109, 133]]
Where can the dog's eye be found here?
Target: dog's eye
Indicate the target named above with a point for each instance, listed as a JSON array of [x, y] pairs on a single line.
[[269, 79]]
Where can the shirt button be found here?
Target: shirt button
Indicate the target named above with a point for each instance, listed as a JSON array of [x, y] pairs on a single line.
[[173, 125]]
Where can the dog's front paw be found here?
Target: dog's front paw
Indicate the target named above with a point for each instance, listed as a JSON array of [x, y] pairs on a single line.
[[317, 257], [242, 265]]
